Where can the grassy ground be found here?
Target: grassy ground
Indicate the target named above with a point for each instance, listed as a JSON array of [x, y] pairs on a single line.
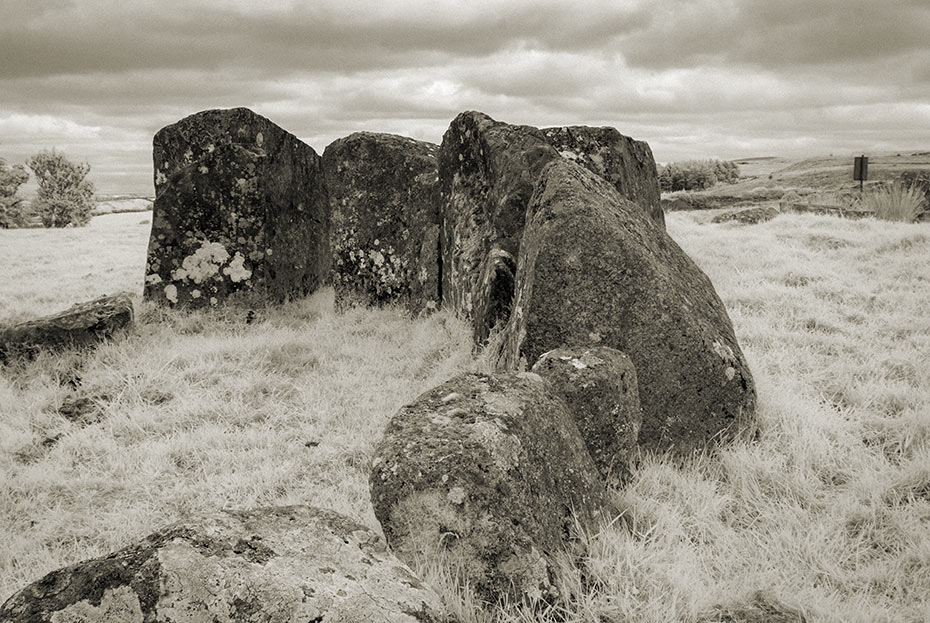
[[826, 511]]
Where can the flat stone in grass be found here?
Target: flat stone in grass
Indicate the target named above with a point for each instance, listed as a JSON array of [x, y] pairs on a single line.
[[384, 197], [483, 474], [594, 272], [626, 163], [487, 170], [750, 216], [599, 386], [240, 208], [82, 325], [284, 564]]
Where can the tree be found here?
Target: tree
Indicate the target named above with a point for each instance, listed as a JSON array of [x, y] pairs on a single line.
[[64, 197], [12, 213]]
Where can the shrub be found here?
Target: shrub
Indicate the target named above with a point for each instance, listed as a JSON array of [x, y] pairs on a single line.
[[896, 202], [65, 197], [696, 174], [12, 211]]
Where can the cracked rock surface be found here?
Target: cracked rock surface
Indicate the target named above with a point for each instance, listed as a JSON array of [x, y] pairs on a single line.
[[276, 564]]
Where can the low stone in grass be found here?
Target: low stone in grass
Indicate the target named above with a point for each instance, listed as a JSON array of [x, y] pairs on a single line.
[[760, 607], [750, 216], [487, 170], [83, 325], [240, 209], [384, 197], [593, 272], [626, 163], [278, 564], [599, 386], [486, 474]]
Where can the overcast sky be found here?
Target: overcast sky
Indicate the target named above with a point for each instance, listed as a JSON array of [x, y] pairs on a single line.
[[703, 78]]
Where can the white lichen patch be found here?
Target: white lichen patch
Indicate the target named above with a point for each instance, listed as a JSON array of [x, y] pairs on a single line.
[[195, 294], [730, 372], [202, 264], [236, 271], [723, 351], [203, 169], [503, 448], [160, 178], [153, 279], [456, 495], [569, 155], [171, 292]]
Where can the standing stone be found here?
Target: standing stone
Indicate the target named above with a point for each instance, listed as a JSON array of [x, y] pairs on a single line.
[[384, 199], [487, 170], [484, 473], [240, 207], [84, 324], [627, 164], [599, 386], [594, 272], [279, 564]]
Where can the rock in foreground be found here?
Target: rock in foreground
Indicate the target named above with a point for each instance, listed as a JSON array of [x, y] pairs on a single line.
[[240, 207], [594, 272], [487, 170], [84, 324], [483, 473], [384, 197], [599, 386], [272, 565], [626, 163]]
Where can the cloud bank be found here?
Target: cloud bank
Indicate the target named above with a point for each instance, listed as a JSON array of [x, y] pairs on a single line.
[[700, 78]]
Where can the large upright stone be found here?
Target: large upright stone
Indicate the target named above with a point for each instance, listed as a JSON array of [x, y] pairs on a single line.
[[594, 271], [384, 199], [240, 207], [487, 170], [275, 565], [488, 475], [626, 163]]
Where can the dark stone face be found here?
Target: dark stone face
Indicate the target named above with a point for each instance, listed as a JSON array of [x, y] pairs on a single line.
[[627, 164], [384, 196], [240, 208], [600, 388], [487, 472], [594, 272], [487, 170]]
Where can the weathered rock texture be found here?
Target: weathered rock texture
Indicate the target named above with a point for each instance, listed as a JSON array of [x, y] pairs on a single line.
[[626, 163], [273, 564], [482, 473], [84, 324], [240, 207], [384, 198], [592, 271], [599, 386], [487, 170]]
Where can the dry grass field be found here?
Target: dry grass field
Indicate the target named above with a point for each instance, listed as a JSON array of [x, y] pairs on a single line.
[[824, 511]]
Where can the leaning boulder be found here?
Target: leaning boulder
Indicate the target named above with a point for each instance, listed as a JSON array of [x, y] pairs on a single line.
[[626, 163], [84, 324], [271, 564], [483, 473], [487, 170], [384, 198], [240, 208], [594, 272], [599, 386]]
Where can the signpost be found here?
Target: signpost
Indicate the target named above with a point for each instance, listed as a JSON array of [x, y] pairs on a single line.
[[860, 170]]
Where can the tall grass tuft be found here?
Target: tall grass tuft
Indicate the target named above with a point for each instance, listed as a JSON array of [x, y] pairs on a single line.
[[896, 202]]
